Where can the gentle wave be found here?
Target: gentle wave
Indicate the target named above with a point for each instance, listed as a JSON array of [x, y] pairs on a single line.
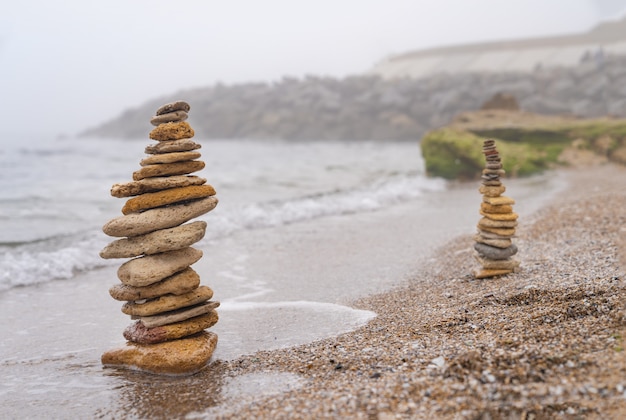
[[23, 266], [61, 257], [271, 214]]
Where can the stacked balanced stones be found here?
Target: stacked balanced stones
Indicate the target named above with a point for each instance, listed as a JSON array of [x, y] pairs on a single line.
[[162, 293], [496, 228]]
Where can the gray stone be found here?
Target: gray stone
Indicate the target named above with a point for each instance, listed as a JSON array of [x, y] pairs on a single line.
[[173, 106], [175, 116], [495, 253]]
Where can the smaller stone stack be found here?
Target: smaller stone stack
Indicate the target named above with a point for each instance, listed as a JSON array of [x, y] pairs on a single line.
[[496, 228], [162, 293]]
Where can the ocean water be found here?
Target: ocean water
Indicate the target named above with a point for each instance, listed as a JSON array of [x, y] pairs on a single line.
[[54, 193]]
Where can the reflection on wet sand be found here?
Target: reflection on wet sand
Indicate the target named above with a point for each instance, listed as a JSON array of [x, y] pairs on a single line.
[[215, 390]]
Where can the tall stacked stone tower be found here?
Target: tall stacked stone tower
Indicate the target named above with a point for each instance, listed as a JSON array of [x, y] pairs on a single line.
[[162, 293], [496, 228]]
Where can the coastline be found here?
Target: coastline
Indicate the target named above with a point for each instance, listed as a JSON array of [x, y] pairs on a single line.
[[547, 341], [431, 350]]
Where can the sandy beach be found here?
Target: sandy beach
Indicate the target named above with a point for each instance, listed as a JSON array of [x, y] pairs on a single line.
[[546, 342], [415, 337]]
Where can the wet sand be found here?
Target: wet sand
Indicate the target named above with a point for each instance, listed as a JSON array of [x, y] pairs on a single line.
[[441, 344]]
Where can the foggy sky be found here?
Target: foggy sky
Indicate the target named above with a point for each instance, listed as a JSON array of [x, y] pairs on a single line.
[[69, 65]]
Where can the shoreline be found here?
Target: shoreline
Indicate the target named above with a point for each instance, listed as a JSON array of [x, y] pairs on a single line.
[[546, 341], [415, 358]]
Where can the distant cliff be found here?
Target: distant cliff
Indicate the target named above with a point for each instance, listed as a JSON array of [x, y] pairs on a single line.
[[608, 37], [371, 108]]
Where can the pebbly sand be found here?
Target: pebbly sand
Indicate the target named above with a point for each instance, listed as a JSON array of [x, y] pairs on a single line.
[[542, 343], [547, 342]]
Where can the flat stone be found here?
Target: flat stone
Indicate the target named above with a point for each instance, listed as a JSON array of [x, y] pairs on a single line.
[[506, 232], [177, 315], [495, 253], [182, 145], [162, 240], [186, 356], [486, 222], [489, 180], [498, 172], [146, 185], [493, 165], [490, 177], [160, 218], [174, 116], [484, 273], [165, 197], [500, 216], [498, 201], [172, 131], [168, 169], [492, 191], [169, 158], [491, 235], [499, 209], [139, 333], [176, 284], [146, 270], [508, 264], [498, 243], [168, 303], [173, 106]]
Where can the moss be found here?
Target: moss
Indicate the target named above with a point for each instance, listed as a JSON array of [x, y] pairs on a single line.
[[530, 136], [598, 128], [452, 154], [455, 152]]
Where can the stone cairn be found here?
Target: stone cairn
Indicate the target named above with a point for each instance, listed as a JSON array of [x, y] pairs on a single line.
[[162, 292], [493, 246]]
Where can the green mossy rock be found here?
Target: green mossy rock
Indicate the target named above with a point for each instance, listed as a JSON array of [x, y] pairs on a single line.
[[528, 143], [454, 154]]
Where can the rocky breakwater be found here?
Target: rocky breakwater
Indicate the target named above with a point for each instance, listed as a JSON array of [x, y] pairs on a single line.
[[162, 293], [496, 228]]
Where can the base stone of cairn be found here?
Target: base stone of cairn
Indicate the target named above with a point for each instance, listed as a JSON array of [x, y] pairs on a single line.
[[494, 248], [161, 291]]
